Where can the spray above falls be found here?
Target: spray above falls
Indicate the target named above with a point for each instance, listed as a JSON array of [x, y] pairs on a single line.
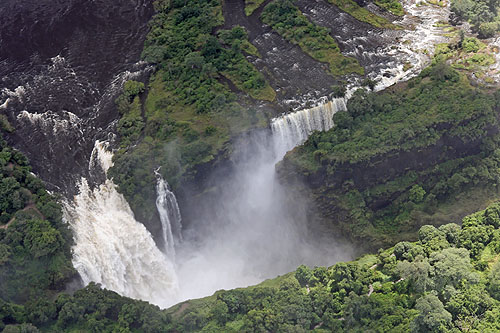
[[111, 247]]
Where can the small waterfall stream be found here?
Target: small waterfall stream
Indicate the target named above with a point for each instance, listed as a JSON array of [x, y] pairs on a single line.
[[170, 215]]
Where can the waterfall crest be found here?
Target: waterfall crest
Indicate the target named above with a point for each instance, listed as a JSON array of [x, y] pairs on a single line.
[[170, 215], [111, 247], [292, 129]]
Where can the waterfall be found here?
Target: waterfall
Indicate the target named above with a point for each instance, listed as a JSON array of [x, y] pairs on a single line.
[[170, 215], [292, 129], [111, 247]]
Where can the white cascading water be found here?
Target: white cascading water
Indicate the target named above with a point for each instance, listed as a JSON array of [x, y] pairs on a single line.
[[292, 129], [416, 46], [111, 247], [170, 215]]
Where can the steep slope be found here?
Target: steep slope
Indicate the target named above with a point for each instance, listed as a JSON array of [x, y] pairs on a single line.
[[419, 153], [35, 244], [198, 121]]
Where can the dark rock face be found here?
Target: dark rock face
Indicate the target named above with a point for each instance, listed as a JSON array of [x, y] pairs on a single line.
[[67, 60], [356, 39], [324, 188], [386, 167], [289, 70]]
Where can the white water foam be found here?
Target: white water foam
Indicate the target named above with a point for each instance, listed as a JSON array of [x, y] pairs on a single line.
[[255, 239], [415, 48], [112, 248], [417, 45], [51, 122]]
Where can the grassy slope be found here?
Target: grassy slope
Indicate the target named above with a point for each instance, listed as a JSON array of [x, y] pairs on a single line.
[[363, 14]]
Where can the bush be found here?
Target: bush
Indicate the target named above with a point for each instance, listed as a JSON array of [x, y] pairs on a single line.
[[488, 29]]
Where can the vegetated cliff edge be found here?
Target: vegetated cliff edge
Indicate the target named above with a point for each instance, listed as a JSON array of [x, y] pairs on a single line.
[[422, 152]]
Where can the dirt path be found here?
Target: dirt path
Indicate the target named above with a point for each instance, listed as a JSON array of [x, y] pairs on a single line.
[[31, 206]]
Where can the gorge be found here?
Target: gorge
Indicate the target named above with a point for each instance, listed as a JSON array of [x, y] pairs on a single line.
[[201, 167]]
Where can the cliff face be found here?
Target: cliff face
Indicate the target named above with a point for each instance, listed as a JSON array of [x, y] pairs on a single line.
[[192, 126], [384, 168], [329, 192], [379, 193]]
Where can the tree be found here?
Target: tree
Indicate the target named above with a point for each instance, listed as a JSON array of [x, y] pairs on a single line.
[[132, 89], [194, 60], [451, 231], [303, 274], [338, 91], [475, 235], [342, 119], [41, 238], [451, 266], [417, 194], [418, 273], [5, 253], [432, 317], [494, 281], [473, 301], [360, 103], [488, 29], [432, 239], [441, 71], [219, 312]]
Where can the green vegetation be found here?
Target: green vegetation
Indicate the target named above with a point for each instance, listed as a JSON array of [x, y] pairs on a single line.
[[444, 282], [243, 74], [35, 256], [252, 5], [392, 6], [188, 113], [316, 41], [425, 152], [90, 309], [439, 102], [364, 15], [467, 53], [482, 14]]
